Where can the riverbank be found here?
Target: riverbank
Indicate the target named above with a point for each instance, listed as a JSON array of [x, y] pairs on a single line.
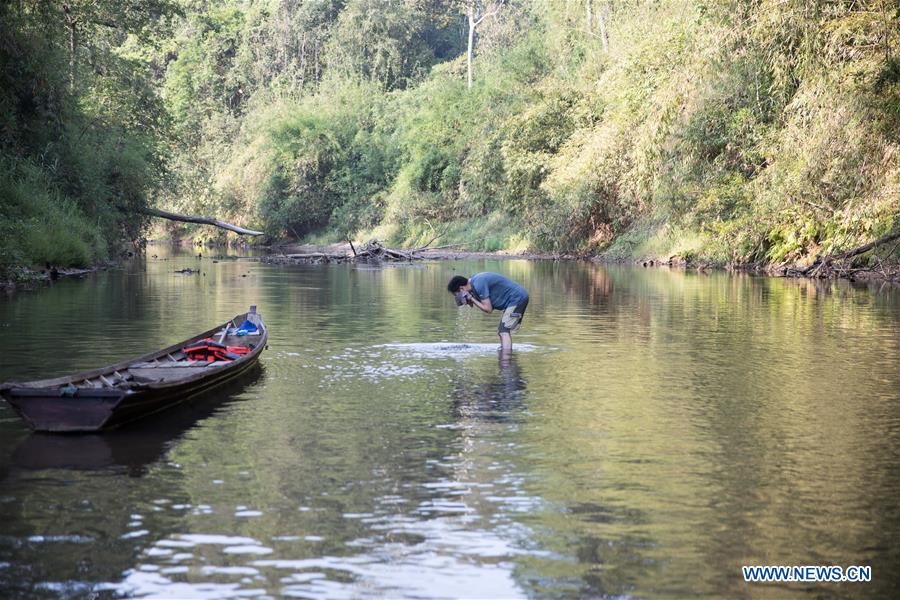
[[24, 278], [881, 271], [889, 273], [454, 251]]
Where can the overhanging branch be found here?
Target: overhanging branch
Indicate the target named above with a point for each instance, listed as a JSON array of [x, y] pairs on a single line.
[[155, 212]]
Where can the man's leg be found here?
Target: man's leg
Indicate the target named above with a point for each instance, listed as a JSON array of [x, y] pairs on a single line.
[[509, 323]]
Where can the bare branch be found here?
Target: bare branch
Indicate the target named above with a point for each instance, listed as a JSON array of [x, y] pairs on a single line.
[[155, 212], [490, 13]]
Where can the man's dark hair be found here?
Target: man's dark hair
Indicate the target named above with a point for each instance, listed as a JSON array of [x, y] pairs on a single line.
[[457, 282]]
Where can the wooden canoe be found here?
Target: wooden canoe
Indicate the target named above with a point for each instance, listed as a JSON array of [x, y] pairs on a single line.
[[110, 396], [130, 448]]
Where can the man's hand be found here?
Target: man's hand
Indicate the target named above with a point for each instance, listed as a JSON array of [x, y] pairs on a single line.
[[462, 297], [484, 305]]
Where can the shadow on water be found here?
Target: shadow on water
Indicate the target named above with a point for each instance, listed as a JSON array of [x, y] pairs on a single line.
[[133, 446]]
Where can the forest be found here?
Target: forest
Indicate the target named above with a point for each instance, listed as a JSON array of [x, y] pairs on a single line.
[[728, 131]]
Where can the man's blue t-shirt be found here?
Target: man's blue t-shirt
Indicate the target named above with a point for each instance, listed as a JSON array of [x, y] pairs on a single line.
[[502, 291]]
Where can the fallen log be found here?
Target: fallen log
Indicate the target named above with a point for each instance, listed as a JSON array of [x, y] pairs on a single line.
[[866, 247], [316, 255], [163, 214], [371, 251], [374, 250], [825, 262]]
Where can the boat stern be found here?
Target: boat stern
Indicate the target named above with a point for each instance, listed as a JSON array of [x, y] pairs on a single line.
[[44, 409]]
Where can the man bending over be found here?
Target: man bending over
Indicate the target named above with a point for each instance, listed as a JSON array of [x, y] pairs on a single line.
[[489, 291]]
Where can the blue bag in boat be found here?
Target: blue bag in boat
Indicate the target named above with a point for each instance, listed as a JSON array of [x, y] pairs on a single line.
[[247, 328]]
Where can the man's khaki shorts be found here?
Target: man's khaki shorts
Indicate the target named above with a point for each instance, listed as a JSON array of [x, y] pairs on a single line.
[[511, 319]]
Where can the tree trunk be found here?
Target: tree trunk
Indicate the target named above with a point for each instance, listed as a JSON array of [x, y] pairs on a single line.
[[303, 60], [602, 19], [825, 261], [154, 212], [588, 17], [866, 247], [471, 16], [71, 25], [316, 63]]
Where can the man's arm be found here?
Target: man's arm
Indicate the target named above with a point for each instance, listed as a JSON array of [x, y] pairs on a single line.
[[484, 305]]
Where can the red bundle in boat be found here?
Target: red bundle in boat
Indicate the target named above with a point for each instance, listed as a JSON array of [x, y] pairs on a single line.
[[209, 350]]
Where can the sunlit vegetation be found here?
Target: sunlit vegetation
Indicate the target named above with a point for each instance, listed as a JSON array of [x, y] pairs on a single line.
[[724, 131]]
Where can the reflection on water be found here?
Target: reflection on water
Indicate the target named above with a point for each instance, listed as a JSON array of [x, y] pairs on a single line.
[[490, 397], [651, 432], [132, 447]]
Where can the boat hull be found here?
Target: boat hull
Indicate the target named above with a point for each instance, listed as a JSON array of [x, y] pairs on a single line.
[[46, 410]]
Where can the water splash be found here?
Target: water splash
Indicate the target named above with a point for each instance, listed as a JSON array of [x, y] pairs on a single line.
[[463, 327], [453, 349]]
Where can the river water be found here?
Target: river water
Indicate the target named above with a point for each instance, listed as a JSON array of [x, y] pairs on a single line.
[[652, 432]]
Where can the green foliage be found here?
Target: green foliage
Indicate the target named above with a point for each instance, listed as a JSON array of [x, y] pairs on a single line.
[[311, 164], [729, 131], [40, 226], [383, 41], [199, 81], [748, 132], [81, 124]]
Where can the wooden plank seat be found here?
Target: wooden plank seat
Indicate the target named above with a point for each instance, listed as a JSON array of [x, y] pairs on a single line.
[[162, 373], [202, 364]]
